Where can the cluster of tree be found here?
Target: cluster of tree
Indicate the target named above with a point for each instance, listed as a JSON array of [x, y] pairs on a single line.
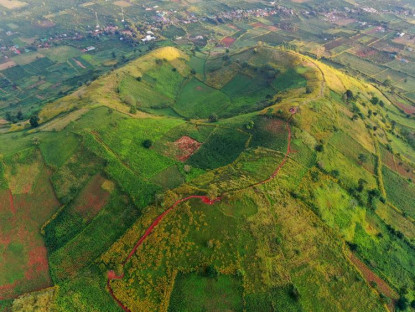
[[14, 117]]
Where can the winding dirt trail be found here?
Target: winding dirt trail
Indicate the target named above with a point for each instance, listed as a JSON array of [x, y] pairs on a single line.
[[206, 200]]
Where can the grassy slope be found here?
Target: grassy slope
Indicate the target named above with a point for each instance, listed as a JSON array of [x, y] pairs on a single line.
[[268, 243]]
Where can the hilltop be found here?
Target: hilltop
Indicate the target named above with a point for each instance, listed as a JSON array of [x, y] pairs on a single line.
[[298, 182]]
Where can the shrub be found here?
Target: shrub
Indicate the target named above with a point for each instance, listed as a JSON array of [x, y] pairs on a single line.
[[213, 117], [34, 121], [210, 271], [147, 143], [319, 148]]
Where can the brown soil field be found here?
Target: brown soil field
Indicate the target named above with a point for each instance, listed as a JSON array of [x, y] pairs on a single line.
[[187, 147], [7, 65], [227, 41]]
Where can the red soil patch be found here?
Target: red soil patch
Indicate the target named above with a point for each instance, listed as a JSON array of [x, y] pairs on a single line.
[[258, 24], [12, 208], [46, 23], [275, 126], [370, 276], [79, 64], [187, 147], [365, 52], [37, 262], [272, 28], [7, 290], [406, 108], [232, 26], [22, 218], [227, 41], [397, 165], [92, 198]]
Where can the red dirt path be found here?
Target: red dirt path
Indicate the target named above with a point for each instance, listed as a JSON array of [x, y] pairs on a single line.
[[12, 207], [206, 200], [370, 276]]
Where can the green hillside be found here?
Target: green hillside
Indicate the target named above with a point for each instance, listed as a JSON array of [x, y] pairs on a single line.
[[277, 183]]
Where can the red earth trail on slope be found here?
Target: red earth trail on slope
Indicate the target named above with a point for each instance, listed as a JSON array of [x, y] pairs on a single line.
[[206, 200], [12, 208]]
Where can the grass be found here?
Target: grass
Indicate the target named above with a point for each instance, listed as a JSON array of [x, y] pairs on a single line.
[[198, 100], [73, 218], [142, 94], [269, 133], [94, 238], [58, 147], [85, 291], [290, 79], [399, 191], [331, 160], [222, 148], [126, 140], [195, 292], [72, 176], [23, 263]]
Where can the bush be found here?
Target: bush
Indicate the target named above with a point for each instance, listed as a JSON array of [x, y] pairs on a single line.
[[213, 117], [294, 293], [133, 109], [147, 143], [402, 303], [34, 121], [319, 148], [210, 271]]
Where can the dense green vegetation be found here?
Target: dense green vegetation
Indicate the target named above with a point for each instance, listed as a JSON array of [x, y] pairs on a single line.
[[105, 162]]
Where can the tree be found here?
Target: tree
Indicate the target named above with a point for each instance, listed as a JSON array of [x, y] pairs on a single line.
[[294, 293], [34, 121], [319, 147], [402, 303], [308, 90], [147, 143], [210, 271], [374, 100], [335, 173], [133, 109], [362, 158], [19, 115], [387, 82], [349, 95], [249, 125], [213, 117], [361, 184], [374, 193]]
